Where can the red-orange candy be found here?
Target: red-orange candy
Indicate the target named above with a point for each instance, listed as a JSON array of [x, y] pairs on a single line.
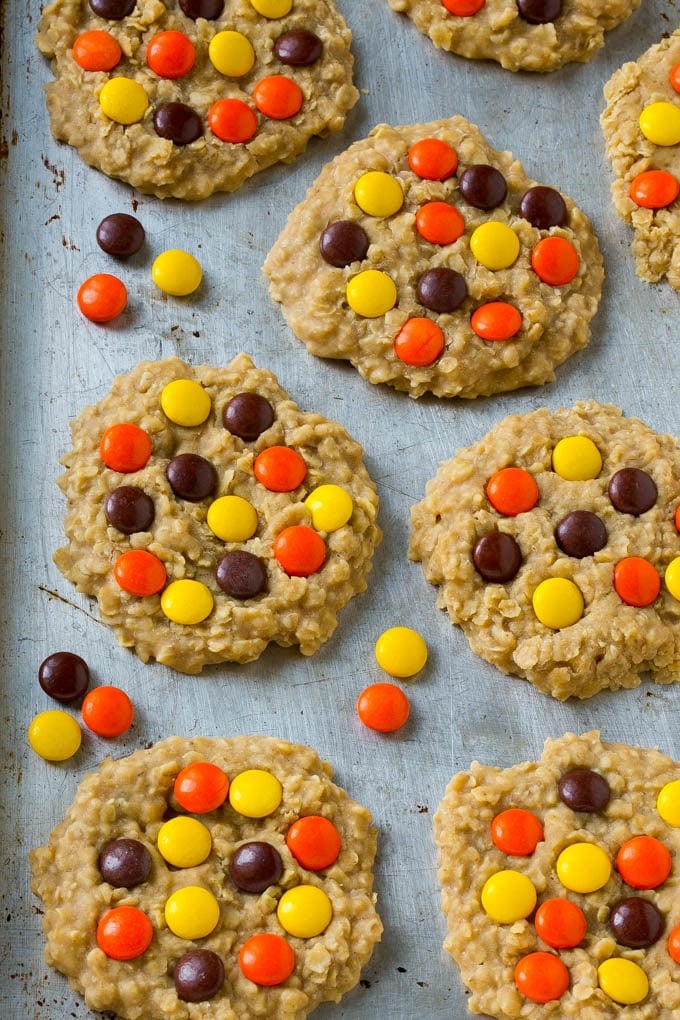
[[643, 862], [280, 469], [555, 261], [125, 447], [654, 189], [266, 959], [463, 8], [107, 711], [96, 51], [676, 518], [512, 491], [439, 223], [124, 933], [432, 159], [314, 842], [232, 120], [560, 923], [636, 581], [201, 787], [170, 54], [674, 941], [300, 550], [278, 97], [541, 977], [419, 342], [102, 297], [516, 832], [496, 320], [383, 707], [139, 573], [674, 77]]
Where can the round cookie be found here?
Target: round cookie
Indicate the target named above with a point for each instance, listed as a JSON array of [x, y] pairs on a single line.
[[253, 861], [527, 35], [236, 86], [252, 522], [554, 544], [575, 858], [419, 255], [641, 125]]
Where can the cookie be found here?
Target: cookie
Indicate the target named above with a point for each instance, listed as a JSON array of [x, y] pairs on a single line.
[[554, 544], [526, 35], [560, 882], [231, 872], [641, 126], [432, 263], [209, 515], [182, 98]]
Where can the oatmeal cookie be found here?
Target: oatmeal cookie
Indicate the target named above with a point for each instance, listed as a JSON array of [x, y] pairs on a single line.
[[641, 125], [209, 515], [431, 262], [181, 98], [560, 882], [526, 35], [228, 872], [554, 544]]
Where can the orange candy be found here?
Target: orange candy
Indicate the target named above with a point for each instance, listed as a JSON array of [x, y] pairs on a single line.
[[541, 977], [314, 842], [636, 581], [463, 8], [432, 159], [300, 550], [383, 707], [125, 447], [201, 787], [170, 54], [419, 342], [101, 297], [654, 189], [439, 223], [643, 862], [674, 939], [516, 832], [124, 933], [139, 573], [231, 120], [555, 261], [266, 959], [278, 97], [496, 320], [96, 51], [512, 491], [676, 519], [560, 923], [280, 469], [674, 77], [107, 711]]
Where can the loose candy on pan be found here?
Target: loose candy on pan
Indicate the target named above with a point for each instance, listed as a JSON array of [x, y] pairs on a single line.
[[176, 272], [54, 735], [102, 297], [65, 676], [121, 235], [401, 652], [107, 711], [383, 707]]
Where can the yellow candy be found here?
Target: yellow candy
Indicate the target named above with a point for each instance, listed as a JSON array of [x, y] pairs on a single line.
[[583, 867], [54, 735], [123, 100], [660, 123], [185, 402], [231, 53], [371, 293], [577, 459], [304, 911], [668, 803], [192, 912], [272, 8], [378, 193], [623, 981], [176, 272], [401, 651], [184, 842], [508, 896], [255, 793], [494, 245], [187, 601], [672, 577], [330, 506], [558, 602], [232, 518]]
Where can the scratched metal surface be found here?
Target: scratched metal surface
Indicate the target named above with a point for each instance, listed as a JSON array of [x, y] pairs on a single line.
[[53, 362]]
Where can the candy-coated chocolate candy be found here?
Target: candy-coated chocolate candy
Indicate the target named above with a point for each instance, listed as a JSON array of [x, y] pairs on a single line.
[[187, 601], [558, 602], [140, 573], [298, 48], [539, 12], [255, 866], [280, 469], [371, 293], [314, 842], [208, 9], [401, 651], [632, 491], [581, 533], [304, 911], [232, 120], [198, 975], [496, 320], [643, 862], [584, 790], [278, 97], [668, 803], [497, 557], [674, 77], [102, 297], [543, 207], [241, 574], [124, 932], [541, 977], [331, 507], [299, 550], [124, 863], [96, 51], [432, 159], [560, 923], [660, 123], [654, 189], [508, 896], [272, 8], [378, 193], [636, 923], [184, 842], [516, 832], [231, 53], [555, 261], [266, 959], [176, 272], [623, 981], [441, 289], [54, 735], [383, 707], [255, 793], [673, 944], [113, 10], [576, 459], [192, 912], [583, 867], [191, 477], [248, 415], [439, 223], [185, 402], [64, 676], [483, 186], [123, 100], [512, 491], [232, 518], [125, 447], [201, 787], [129, 509], [343, 242], [419, 342], [672, 578], [495, 245], [636, 581], [120, 234], [178, 123], [107, 711], [170, 54], [463, 8]]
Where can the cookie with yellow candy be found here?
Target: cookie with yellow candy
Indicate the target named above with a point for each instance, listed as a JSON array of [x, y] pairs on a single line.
[[554, 544], [433, 263], [210, 516]]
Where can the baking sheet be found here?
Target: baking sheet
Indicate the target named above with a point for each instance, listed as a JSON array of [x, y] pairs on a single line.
[[52, 362]]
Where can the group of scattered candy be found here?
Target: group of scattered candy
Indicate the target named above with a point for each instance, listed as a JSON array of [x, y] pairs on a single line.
[[494, 244], [660, 124], [642, 862], [171, 55], [557, 601], [535, 12], [402, 653], [192, 912]]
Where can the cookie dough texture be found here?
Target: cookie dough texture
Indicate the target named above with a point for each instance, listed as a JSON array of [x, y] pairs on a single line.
[[555, 320], [293, 610], [486, 952], [656, 243], [498, 32], [613, 642], [130, 798], [157, 166]]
